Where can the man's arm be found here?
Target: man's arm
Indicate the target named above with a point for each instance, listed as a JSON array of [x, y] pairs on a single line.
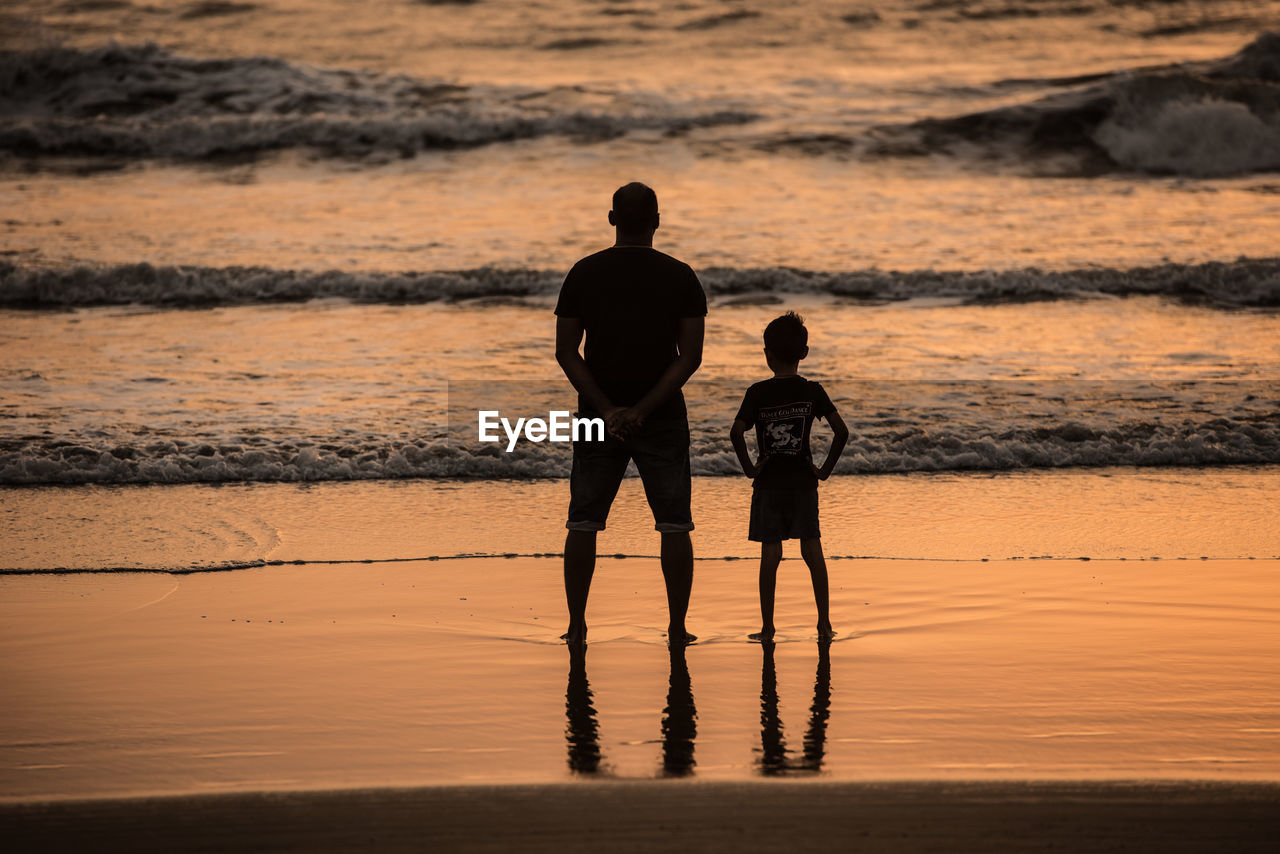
[[736, 434], [569, 332], [837, 445], [689, 346]]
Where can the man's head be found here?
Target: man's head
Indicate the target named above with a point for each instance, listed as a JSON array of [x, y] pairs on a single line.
[[786, 340], [635, 209]]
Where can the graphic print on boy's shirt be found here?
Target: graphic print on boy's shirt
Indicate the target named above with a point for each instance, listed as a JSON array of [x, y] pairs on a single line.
[[781, 428]]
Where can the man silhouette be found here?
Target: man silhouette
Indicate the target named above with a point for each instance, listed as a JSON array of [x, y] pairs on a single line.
[[643, 315]]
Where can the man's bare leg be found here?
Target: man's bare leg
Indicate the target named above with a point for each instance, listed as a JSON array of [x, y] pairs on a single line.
[[770, 557], [579, 567], [811, 551], [677, 571]]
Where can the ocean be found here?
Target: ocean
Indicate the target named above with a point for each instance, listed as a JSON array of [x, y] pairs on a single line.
[[258, 241]]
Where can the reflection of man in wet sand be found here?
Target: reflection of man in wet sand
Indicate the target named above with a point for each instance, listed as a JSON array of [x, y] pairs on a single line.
[[679, 718], [642, 313]]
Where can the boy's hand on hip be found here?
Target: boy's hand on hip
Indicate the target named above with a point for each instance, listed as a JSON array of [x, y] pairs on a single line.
[[759, 466]]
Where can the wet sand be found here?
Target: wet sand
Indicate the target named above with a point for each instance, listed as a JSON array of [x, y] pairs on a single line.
[[661, 816], [450, 672]]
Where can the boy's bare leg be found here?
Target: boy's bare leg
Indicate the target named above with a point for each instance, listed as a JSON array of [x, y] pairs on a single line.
[[811, 551], [579, 567], [677, 572], [770, 557]]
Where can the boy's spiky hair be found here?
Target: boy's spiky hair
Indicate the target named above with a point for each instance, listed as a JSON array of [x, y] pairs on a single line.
[[786, 337]]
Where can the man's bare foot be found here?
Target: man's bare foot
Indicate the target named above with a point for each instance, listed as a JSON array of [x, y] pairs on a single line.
[[575, 635], [825, 632], [680, 636], [762, 636]]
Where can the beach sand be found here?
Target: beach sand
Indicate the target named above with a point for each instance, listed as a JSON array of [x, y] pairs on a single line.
[[653, 816]]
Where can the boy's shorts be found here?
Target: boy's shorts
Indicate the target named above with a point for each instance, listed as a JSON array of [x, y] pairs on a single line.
[[660, 449], [784, 513]]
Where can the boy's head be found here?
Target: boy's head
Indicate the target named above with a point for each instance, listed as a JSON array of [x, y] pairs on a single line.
[[786, 339], [635, 208]]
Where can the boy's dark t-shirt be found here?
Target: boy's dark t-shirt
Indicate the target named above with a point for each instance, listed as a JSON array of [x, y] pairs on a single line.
[[783, 409], [630, 300]]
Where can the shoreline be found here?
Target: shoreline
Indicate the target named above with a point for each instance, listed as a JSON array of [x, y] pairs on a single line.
[[636, 816], [1112, 514]]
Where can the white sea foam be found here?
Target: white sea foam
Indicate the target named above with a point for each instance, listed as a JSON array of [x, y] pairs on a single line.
[[993, 443], [1203, 137]]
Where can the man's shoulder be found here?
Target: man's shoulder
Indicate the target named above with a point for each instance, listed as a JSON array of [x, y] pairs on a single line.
[[591, 260], [611, 255], [664, 258]]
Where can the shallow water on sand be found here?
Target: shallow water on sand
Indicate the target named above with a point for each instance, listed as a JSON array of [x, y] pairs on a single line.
[[1112, 513]]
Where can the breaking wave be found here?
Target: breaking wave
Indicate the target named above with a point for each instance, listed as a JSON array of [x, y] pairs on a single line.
[[1196, 119], [1241, 283], [141, 101], [129, 102]]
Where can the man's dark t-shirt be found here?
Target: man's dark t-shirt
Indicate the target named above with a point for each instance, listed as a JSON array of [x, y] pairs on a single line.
[[630, 300], [783, 409]]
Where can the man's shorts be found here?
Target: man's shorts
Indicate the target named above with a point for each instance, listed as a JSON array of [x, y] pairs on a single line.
[[660, 449], [784, 513]]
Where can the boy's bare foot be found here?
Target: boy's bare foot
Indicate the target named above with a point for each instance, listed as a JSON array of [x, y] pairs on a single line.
[[762, 636], [575, 635], [825, 632]]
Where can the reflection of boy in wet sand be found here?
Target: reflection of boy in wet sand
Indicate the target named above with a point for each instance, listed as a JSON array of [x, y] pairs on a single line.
[[642, 313], [784, 501], [774, 759]]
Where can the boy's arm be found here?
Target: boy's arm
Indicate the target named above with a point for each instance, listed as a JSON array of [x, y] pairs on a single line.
[[841, 431], [736, 434]]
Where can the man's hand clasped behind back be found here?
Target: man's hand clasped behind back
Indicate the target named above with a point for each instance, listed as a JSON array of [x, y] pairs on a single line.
[[622, 421]]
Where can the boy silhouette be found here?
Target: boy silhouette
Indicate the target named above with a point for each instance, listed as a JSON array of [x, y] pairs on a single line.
[[642, 313], [784, 497]]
